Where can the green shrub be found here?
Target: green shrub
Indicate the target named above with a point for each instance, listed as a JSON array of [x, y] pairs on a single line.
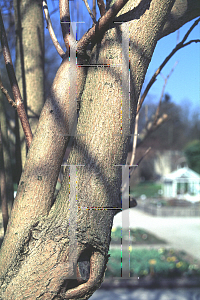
[[154, 262]]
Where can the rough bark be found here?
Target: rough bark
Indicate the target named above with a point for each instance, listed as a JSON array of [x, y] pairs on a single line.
[[37, 256], [182, 12]]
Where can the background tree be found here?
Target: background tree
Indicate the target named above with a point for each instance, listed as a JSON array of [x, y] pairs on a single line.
[[47, 249], [7, 115], [192, 152], [30, 61], [174, 133]]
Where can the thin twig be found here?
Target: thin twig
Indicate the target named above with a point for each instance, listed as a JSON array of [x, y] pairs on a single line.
[[14, 85], [178, 46], [90, 12], [192, 41], [190, 30], [162, 93], [51, 31], [94, 8], [102, 7], [65, 21], [132, 169], [5, 92], [98, 29], [150, 127]]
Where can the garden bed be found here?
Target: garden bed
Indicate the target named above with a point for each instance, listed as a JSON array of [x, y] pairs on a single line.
[[166, 263], [154, 264]]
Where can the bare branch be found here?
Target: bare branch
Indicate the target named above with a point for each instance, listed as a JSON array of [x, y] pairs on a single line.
[[160, 120], [190, 42], [190, 30], [51, 32], [178, 46], [102, 7], [5, 92], [65, 21], [162, 93], [155, 120], [102, 25], [14, 85], [90, 12], [94, 8], [151, 126], [139, 161]]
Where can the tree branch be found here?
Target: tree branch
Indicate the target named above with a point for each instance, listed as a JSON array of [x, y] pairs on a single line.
[[190, 42], [178, 46], [156, 121], [133, 168], [90, 12], [65, 21], [162, 93], [94, 8], [13, 81], [182, 12], [152, 125], [98, 29], [102, 7], [51, 32], [5, 92]]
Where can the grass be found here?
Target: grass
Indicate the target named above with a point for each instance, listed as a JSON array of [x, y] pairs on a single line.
[[149, 189], [165, 263], [137, 237]]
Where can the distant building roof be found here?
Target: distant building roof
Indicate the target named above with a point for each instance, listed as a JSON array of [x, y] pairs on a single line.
[[182, 173]]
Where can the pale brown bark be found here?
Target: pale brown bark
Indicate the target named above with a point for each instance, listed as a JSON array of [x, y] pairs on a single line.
[[65, 21], [51, 31], [182, 12], [37, 256]]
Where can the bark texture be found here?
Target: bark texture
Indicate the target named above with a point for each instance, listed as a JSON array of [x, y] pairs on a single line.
[[47, 249]]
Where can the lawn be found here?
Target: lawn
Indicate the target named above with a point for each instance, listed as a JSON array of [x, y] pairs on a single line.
[[137, 237], [149, 189]]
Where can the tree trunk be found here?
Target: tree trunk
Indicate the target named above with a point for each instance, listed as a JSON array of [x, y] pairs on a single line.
[[30, 61], [6, 156], [47, 249]]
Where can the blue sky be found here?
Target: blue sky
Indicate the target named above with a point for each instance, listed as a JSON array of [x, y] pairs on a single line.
[[184, 83]]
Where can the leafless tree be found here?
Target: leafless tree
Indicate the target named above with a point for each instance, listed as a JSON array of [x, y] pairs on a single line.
[[60, 251]]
